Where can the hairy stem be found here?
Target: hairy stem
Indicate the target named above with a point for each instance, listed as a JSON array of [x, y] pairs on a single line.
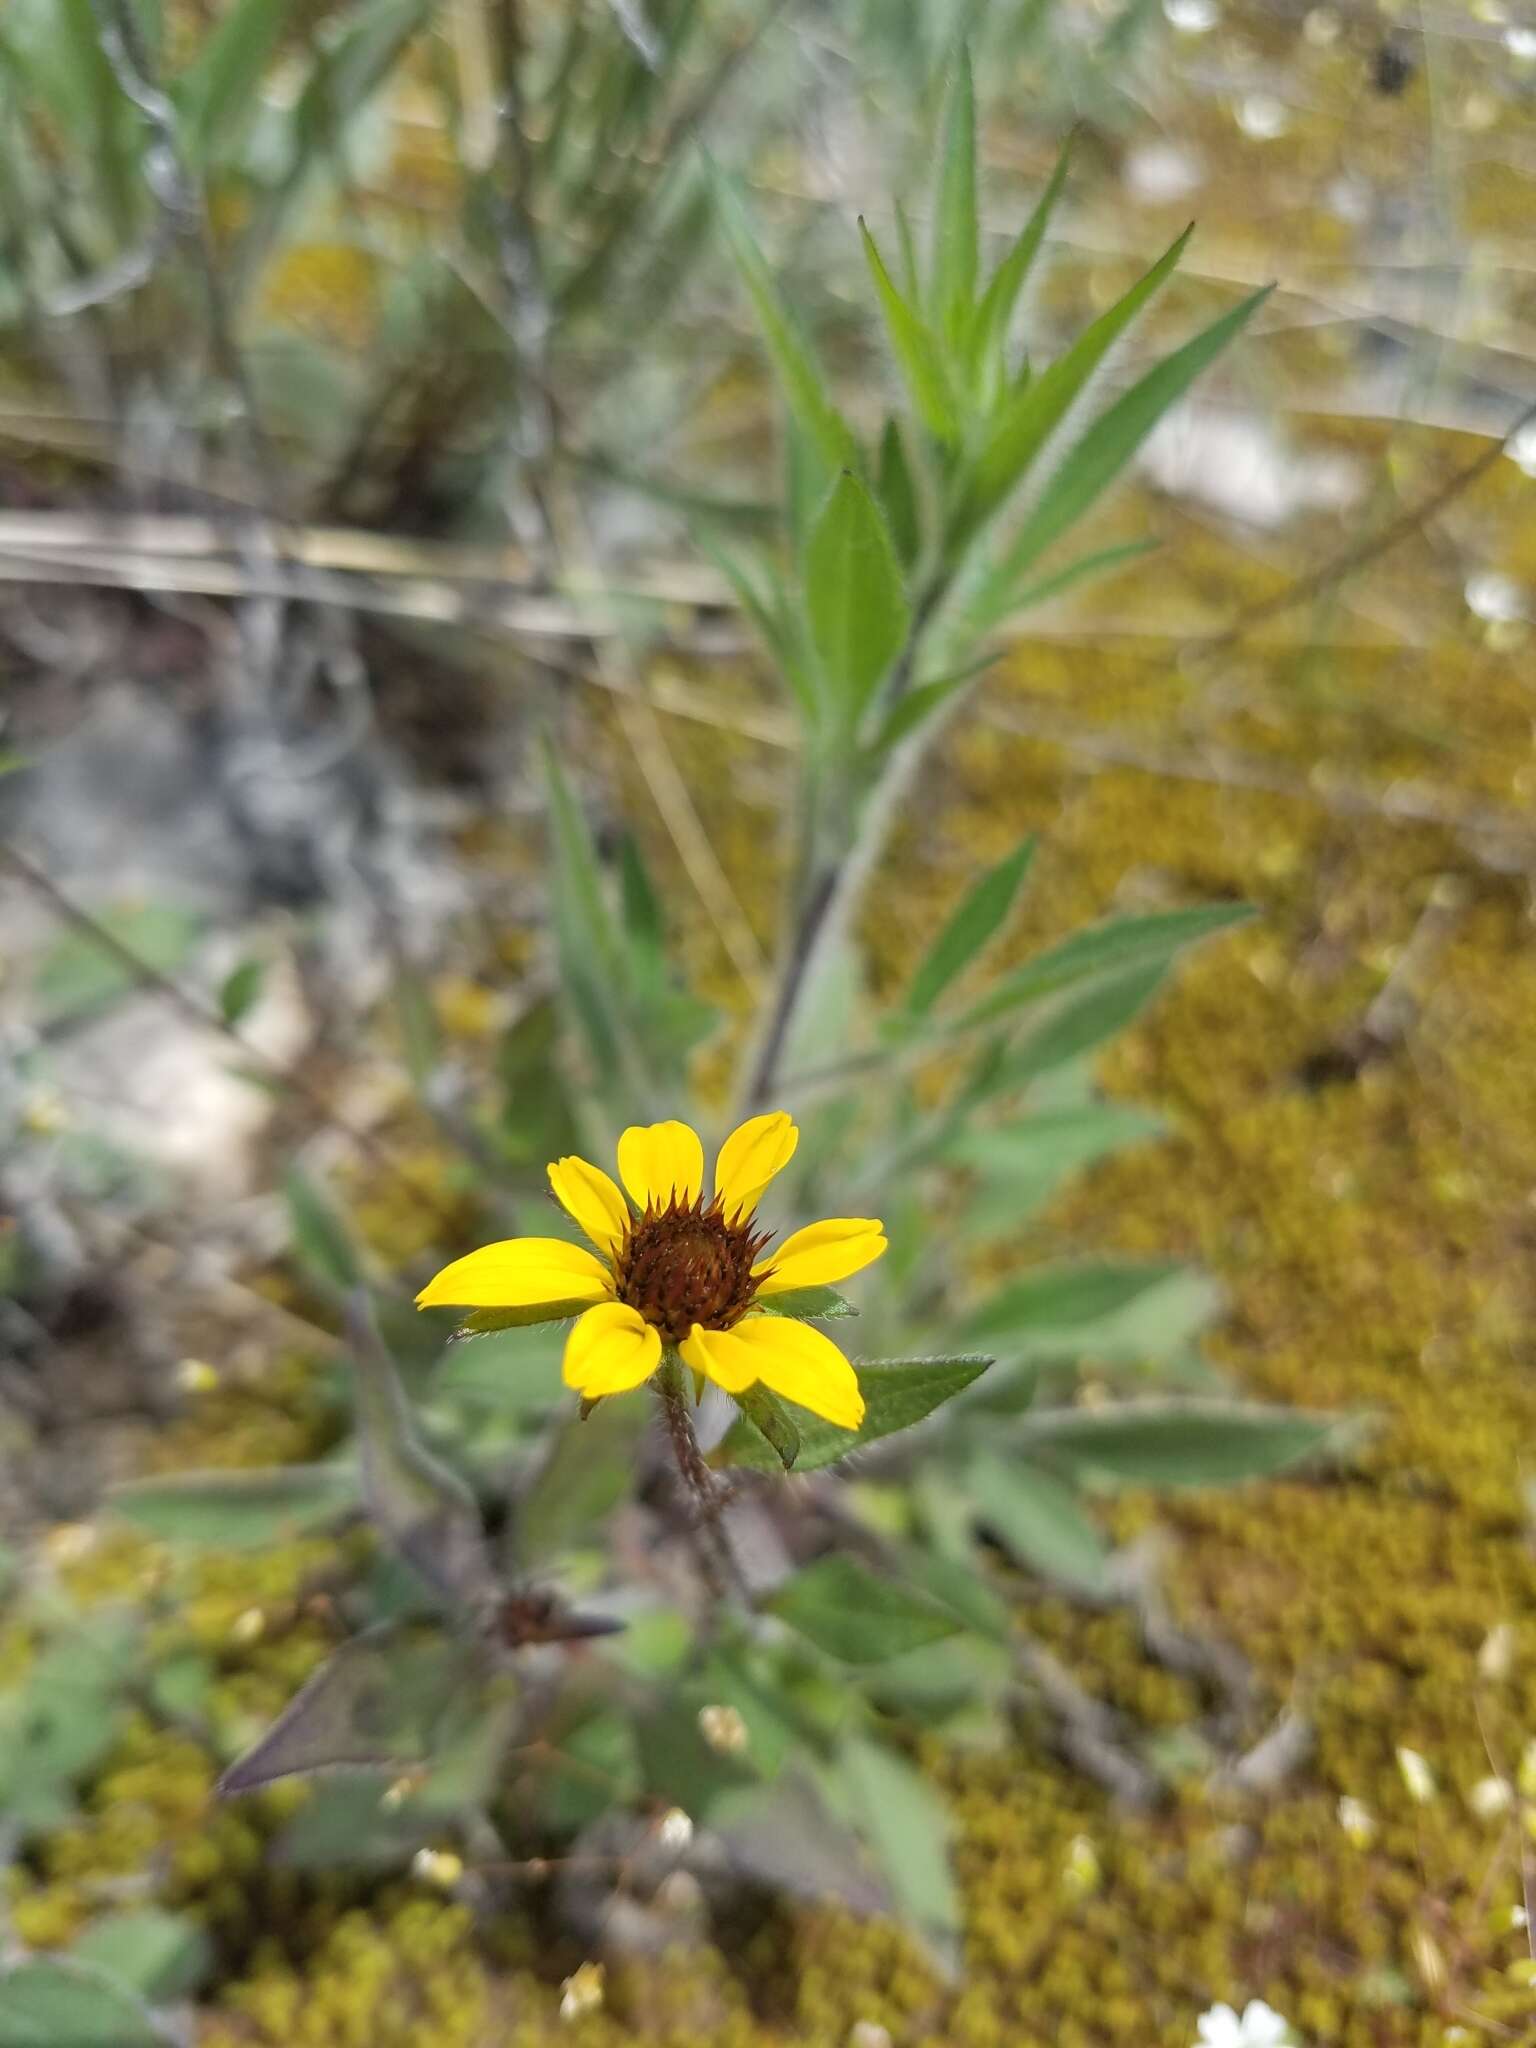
[[710, 1547]]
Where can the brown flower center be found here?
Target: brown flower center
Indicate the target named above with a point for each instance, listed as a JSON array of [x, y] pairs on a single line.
[[685, 1264]]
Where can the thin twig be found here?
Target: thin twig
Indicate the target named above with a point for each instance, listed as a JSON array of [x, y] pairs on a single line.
[[1407, 523]]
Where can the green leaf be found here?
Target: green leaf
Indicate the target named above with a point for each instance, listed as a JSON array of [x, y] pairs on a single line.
[[897, 1395], [485, 1322], [1024, 1164], [381, 1702], [53, 2003], [421, 1040], [79, 976], [1063, 1302], [588, 1470], [322, 1242], [769, 614], [854, 597], [994, 315], [917, 352], [1181, 1443], [1121, 943], [161, 1956], [238, 1510], [851, 1614], [1078, 1027], [979, 918], [1093, 463], [783, 1836], [805, 1304], [915, 707], [1038, 1520], [770, 1418], [1083, 570], [905, 1823], [898, 494], [805, 388], [955, 223], [418, 1503], [221, 89], [1025, 421], [240, 990]]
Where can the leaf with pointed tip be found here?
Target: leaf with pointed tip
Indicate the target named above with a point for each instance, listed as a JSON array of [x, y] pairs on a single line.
[[956, 227], [915, 707], [975, 923], [917, 353], [998, 603], [253, 1509], [769, 1417], [485, 1322], [1118, 944], [898, 1394], [1097, 458], [322, 1242], [1182, 1443], [424, 1509], [1027, 419], [1076, 1028], [989, 333], [380, 1703], [805, 1304], [805, 388], [906, 1825]]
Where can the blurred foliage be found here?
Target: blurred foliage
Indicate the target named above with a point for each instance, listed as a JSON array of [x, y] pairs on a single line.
[[982, 1150]]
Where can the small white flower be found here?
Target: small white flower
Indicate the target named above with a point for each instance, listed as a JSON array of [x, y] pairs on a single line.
[[1490, 1797], [676, 1829], [1357, 1821], [1194, 17], [1262, 117], [1417, 1776], [1258, 2026], [1494, 598]]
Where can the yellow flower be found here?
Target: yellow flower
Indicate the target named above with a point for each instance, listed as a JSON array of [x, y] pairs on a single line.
[[672, 1269]]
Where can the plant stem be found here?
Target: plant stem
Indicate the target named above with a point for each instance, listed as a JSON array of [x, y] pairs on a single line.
[[710, 1546]]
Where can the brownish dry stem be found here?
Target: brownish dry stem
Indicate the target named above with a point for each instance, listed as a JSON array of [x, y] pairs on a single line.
[[711, 1548]]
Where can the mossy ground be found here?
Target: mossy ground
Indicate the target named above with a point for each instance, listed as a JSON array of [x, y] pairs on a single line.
[[1370, 1217]]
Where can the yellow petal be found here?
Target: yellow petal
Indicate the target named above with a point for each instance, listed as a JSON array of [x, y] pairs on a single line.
[[750, 1157], [520, 1272], [660, 1163], [789, 1358], [611, 1349], [592, 1201], [720, 1357], [820, 1254]]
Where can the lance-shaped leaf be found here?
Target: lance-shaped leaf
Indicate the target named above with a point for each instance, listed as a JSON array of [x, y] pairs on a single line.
[[1094, 461], [917, 351], [1107, 1309], [805, 1304], [322, 1242], [253, 1509], [1038, 1519], [425, 1510], [805, 388], [979, 918], [989, 331], [852, 1614], [854, 595], [1121, 943], [1075, 1027], [54, 2002], [380, 1703], [1181, 1443], [784, 1836], [897, 1394], [587, 1471], [898, 493], [1032, 415], [956, 228], [770, 1418], [906, 1826]]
